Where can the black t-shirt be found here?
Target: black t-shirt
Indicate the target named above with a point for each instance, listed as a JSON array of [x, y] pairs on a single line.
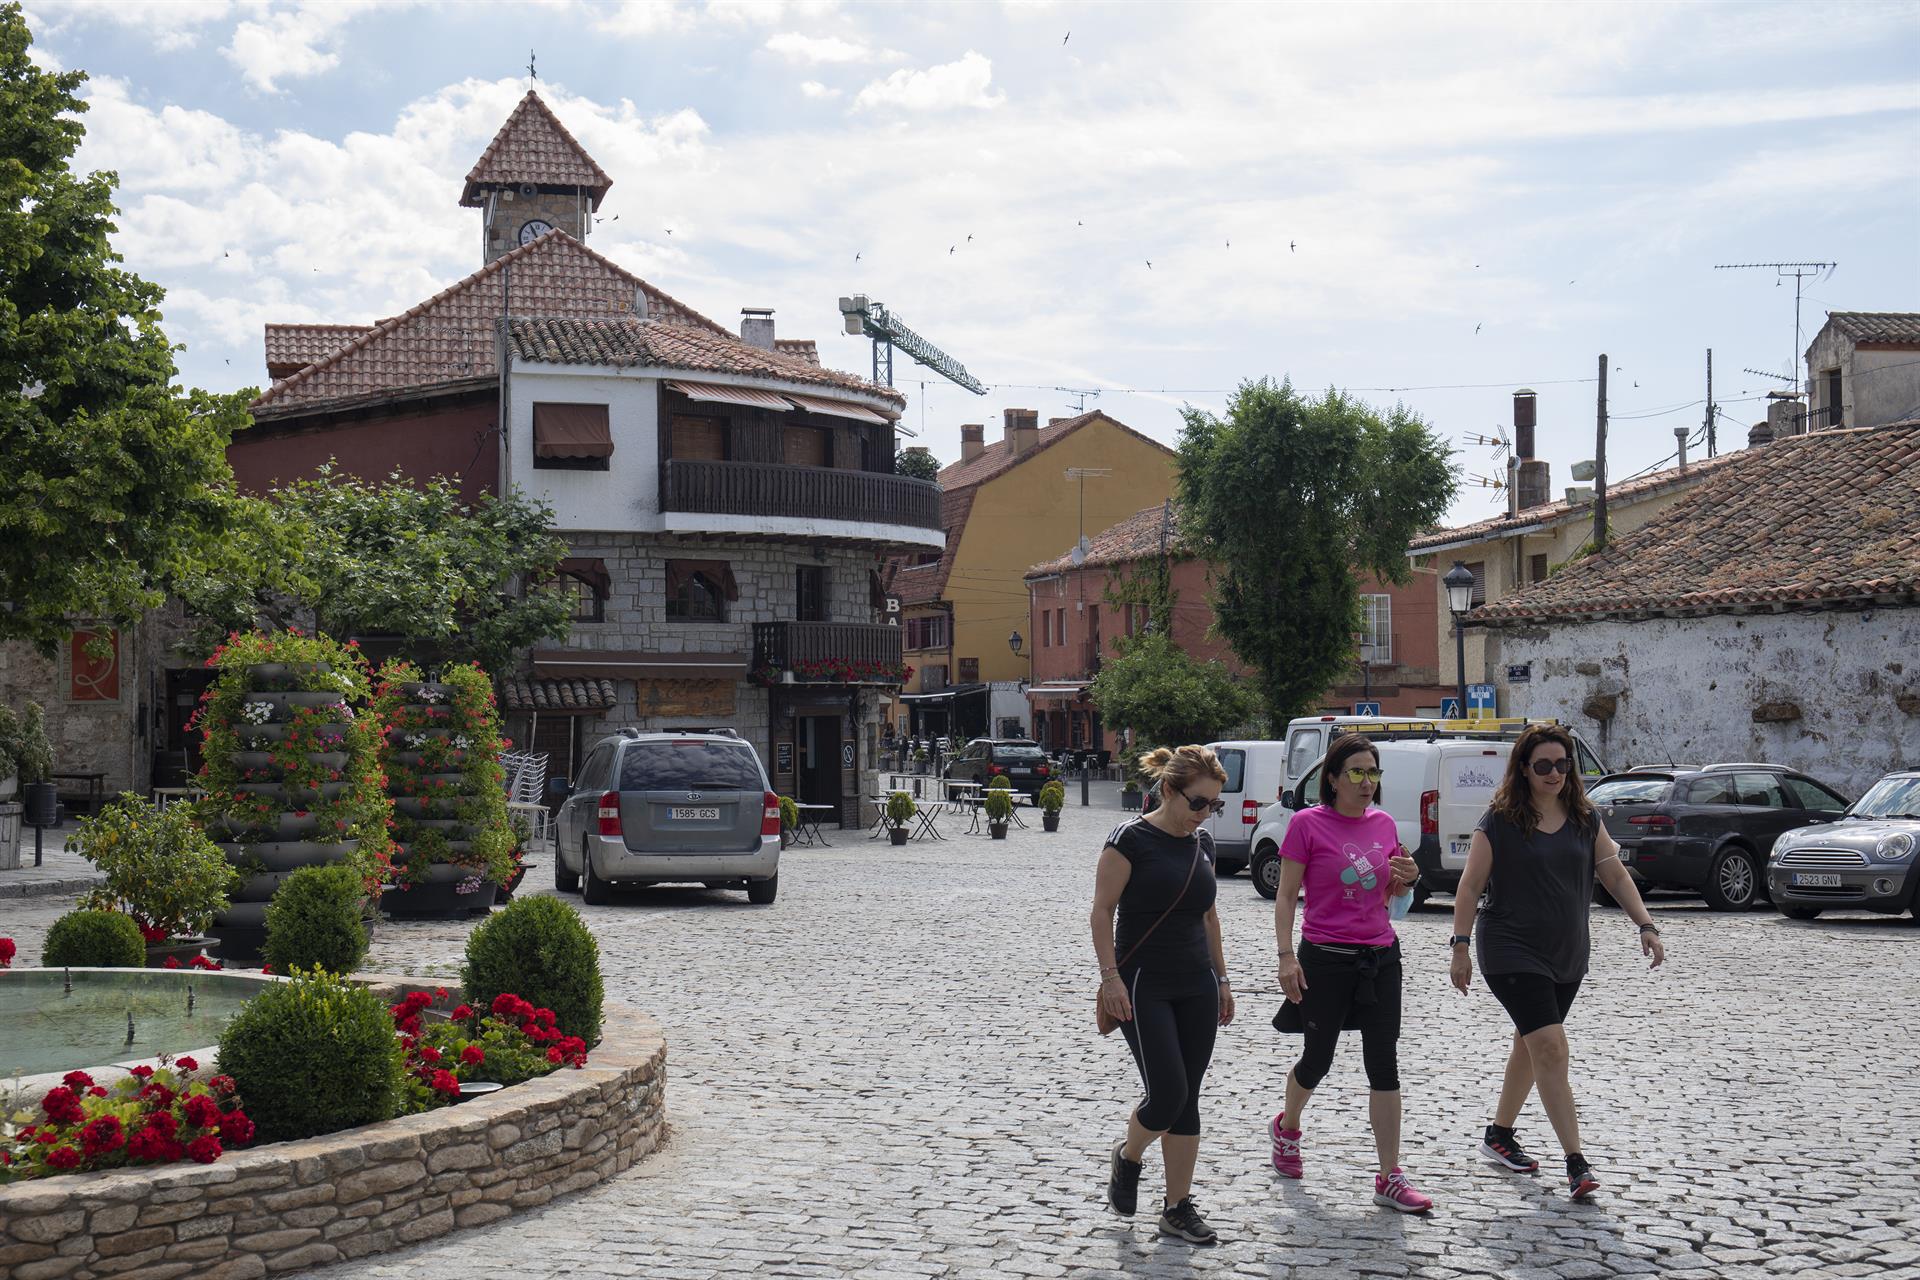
[[1160, 863], [1538, 899]]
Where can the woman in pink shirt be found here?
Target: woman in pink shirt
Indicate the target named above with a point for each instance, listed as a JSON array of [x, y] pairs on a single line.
[[1346, 974]]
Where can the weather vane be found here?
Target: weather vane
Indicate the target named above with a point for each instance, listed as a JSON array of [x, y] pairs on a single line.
[[531, 73]]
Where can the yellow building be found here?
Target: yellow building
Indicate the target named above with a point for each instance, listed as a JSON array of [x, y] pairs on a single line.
[[1006, 506]]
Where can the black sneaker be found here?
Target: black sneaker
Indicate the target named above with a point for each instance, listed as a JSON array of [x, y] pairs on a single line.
[[1501, 1147], [1184, 1221], [1123, 1182], [1581, 1184]]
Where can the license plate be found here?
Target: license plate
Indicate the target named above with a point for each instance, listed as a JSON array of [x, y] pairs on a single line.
[[694, 815], [1817, 879], [1020, 773], [1461, 848]]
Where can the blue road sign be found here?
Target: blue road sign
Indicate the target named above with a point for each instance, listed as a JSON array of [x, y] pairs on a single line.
[[1449, 708], [1480, 701], [1366, 708]]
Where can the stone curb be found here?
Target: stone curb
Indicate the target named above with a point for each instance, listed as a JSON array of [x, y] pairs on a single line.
[[48, 888], [354, 1193]]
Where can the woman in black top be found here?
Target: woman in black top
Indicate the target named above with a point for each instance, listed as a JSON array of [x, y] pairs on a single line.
[[1537, 852], [1164, 976]]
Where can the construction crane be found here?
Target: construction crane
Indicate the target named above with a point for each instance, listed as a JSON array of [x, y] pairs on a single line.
[[865, 317]]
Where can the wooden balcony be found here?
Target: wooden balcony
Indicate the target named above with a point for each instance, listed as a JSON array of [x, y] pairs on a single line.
[[693, 486], [827, 653]]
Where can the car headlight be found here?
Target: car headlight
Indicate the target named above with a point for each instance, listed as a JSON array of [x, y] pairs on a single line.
[[1896, 847]]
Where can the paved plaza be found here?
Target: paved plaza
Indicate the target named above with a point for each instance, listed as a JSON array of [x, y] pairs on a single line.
[[893, 1073]]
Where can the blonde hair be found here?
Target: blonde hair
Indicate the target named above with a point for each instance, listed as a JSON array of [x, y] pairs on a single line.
[[1178, 767]]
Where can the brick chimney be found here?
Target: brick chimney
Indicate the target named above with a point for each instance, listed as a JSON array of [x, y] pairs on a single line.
[[1534, 487], [756, 327], [1785, 414], [1760, 433], [973, 440], [1022, 428]]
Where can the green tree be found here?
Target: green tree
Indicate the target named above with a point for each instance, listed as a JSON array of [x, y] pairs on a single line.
[[1165, 695], [1291, 498], [919, 464], [116, 481]]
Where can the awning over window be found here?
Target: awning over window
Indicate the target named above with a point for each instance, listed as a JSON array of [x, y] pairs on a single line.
[[946, 694], [718, 572], [591, 570], [630, 665], [571, 431], [837, 408], [560, 697], [1056, 691], [714, 393]]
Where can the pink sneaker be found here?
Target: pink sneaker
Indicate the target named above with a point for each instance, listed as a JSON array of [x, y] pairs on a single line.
[[1395, 1192], [1286, 1148]]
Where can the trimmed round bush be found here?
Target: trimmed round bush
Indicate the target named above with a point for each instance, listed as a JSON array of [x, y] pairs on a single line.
[[314, 921], [540, 950], [103, 939], [313, 1055]]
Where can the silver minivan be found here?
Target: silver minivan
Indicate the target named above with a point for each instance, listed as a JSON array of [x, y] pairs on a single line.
[[669, 808]]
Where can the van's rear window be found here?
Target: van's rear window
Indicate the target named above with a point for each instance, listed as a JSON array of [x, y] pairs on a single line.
[[1234, 762], [692, 766]]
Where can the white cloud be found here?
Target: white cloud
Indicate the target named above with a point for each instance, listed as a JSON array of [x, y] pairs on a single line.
[[642, 17], [966, 83], [767, 12], [814, 89], [819, 50], [291, 43], [172, 25], [171, 149]]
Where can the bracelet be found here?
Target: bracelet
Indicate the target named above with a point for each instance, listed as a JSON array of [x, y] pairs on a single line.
[[1286, 955], [1650, 927], [1222, 980]]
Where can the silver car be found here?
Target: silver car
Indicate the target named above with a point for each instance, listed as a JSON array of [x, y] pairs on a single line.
[[669, 808], [1865, 861]]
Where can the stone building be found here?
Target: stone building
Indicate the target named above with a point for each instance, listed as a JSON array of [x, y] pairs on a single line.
[[1863, 369], [1775, 616]]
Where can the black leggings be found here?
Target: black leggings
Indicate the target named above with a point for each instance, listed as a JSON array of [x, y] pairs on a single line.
[[1335, 998], [1175, 1017]]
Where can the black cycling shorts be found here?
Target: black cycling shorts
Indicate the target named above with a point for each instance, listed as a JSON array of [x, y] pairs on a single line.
[[1533, 1000]]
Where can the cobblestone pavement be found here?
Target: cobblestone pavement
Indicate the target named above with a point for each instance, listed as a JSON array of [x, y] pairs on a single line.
[[893, 1073]]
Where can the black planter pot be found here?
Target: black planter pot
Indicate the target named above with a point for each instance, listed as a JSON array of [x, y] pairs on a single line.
[[292, 794], [287, 856], [416, 759], [436, 896], [998, 830], [273, 672], [264, 760], [41, 802], [898, 835], [1050, 820], [1130, 801], [441, 808], [250, 734]]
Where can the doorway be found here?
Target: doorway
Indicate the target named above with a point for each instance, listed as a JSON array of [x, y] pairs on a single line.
[[818, 780]]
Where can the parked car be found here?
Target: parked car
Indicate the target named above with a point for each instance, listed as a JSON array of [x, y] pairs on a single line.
[[669, 808], [1709, 830], [1435, 790], [1022, 762], [1863, 860], [1308, 738]]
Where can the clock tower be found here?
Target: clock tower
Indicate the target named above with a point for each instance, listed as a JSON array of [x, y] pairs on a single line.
[[533, 178]]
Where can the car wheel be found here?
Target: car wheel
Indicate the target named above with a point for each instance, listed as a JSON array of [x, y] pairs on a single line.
[[761, 893], [1801, 913], [596, 892], [1266, 871], [1733, 882], [564, 881]]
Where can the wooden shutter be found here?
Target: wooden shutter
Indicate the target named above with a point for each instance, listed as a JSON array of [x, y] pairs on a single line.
[[806, 446], [698, 438]]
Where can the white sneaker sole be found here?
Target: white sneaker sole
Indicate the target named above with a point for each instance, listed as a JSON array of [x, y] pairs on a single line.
[[1505, 1163], [1177, 1234]]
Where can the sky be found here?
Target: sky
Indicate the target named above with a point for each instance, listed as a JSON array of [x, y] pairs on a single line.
[[1429, 204]]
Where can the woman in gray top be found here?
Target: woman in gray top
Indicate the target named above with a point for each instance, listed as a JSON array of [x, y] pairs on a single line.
[[1537, 853]]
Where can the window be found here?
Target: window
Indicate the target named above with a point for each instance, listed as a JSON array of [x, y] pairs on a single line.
[[597, 772], [1377, 626], [1811, 795], [1630, 791], [1537, 568], [1834, 407], [1302, 750], [1712, 791], [571, 437], [698, 590], [810, 593], [588, 604], [1758, 791], [697, 438], [1234, 761], [1479, 571], [969, 671], [1060, 626], [806, 446], [933, 678], [927, 633], [1046, 629], [689, 766]]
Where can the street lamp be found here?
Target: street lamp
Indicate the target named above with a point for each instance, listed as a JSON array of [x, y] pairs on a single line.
[[1459, 585], [1014, 642], [1366, 670]]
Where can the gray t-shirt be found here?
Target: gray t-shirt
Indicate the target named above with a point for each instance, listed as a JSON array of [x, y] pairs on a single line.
[[1534, 919]]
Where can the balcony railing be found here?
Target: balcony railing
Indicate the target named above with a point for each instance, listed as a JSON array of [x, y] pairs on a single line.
[[808, 493], [827, 652]]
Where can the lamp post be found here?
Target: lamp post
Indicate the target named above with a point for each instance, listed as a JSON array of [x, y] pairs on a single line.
[[1366, 671], [1459, 585], [1014, 642]]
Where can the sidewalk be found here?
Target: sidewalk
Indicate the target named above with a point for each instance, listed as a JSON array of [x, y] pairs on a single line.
[[60, 872]]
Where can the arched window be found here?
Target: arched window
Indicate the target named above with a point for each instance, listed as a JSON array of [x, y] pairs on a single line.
[[698, 590]]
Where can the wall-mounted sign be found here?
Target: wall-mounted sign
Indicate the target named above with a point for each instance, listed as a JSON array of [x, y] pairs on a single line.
[[92, 679], [846, 755], [783, 757], [1480, 702], [1522, 674]]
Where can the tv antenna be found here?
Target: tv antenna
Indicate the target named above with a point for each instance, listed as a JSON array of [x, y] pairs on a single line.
[[1080, 397], [867, 318], [1801, 272], [1487, 482], [1084, 474], [1497, 442], [1762, 373]]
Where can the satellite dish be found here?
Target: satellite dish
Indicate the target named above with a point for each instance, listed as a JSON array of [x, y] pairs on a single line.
[[1079, 555], [1583, 471]]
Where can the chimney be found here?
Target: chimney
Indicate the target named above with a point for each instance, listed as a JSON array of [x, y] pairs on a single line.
[[973, 440], [1534, 487], [1680, 440], [1784, 415], [1022, 428], [756, 327], [1761, 433]]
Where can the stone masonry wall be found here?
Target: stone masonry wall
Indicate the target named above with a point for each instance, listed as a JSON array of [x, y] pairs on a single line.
[[347, 1195]]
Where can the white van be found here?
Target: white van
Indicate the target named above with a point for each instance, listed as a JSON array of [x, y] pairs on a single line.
[[1435, 791], [1253, 783], [1308, 738]]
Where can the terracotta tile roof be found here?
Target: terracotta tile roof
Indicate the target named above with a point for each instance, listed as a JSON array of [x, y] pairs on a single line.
[[450, 336], [1878, 326], [800, 348], [919, 584], [1135, 538], [998, 458], [629, 340], [533, 146], [292, 347], [560, 695], [1560, 511], [1813, 519]]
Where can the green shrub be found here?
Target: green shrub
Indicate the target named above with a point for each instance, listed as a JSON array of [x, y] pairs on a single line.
[[789, 813], [1053, 796], [1000, 782], [540, 950], [104, 939], [999, 804], [159, 865], [312, 1056], [900, 808], [314, 921]]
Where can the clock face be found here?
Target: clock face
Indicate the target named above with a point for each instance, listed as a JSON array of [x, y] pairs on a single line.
[[531, 231]]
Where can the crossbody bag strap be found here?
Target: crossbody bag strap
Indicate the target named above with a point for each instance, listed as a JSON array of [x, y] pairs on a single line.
[[1141, 941]]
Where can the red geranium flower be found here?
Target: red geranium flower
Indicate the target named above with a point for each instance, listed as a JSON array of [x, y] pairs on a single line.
[[462, 1012], [7, 951], [171, 962], [202, 1111], [77, 1080], [102, 1136], [444, 1082], [429, 1054], [62, 1106], [63, 1158], [221, 1084], [473, 1055], [159, 1095], [555, 1056], [189, 1064], [163, 1123], [142, 1071], [96, 1092], [236, 1128], [204, 1149]]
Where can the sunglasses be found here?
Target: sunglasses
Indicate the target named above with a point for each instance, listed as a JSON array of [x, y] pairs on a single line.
[[1562, 766], [1202, 805], [1358, 776]]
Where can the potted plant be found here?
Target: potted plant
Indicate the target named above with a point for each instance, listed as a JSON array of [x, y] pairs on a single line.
[[900, 811], [1130, 794], [789, 819], [999, 806], [1053, 798], [33, 760], [160, 869]]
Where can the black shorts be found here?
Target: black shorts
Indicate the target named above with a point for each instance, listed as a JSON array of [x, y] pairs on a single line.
[[1533, 1000]]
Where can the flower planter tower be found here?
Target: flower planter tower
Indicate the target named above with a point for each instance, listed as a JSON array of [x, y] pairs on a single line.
[[453, 845], [291, 773]]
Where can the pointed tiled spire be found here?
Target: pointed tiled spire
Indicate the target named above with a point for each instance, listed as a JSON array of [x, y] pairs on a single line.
[[533, 146]]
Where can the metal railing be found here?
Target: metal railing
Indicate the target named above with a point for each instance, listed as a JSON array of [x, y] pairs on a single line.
[[819, 493], [788, 644]]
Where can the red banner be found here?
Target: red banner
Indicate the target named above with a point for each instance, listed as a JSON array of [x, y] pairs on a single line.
[[94, 679]]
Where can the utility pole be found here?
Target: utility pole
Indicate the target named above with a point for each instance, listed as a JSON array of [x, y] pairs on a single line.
[[1600, 463], [1712, 442]]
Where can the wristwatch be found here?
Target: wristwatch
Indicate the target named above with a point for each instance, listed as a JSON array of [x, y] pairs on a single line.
[[1650, 927], [1459, 938]]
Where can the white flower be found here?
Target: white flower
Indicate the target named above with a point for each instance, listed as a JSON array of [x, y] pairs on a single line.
[[461, 742], [257, 712]]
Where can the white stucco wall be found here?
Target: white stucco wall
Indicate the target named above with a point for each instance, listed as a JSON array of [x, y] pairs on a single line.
[[1876, 387], [627, 494], [1687, 688]]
